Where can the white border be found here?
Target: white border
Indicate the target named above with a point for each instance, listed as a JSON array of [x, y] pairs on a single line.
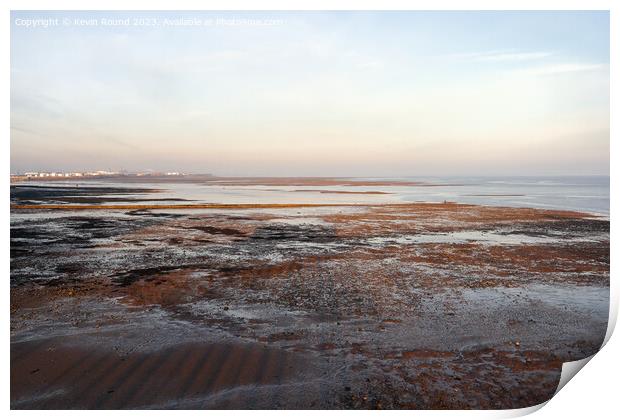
[[592, 394]]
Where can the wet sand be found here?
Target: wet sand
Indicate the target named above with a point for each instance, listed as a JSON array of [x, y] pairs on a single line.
[[54, 374], [425, 305], [169, 206]]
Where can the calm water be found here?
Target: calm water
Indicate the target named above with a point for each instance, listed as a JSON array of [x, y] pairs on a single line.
[[588, 194]]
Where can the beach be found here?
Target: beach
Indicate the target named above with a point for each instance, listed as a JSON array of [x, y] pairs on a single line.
[[298, 293]]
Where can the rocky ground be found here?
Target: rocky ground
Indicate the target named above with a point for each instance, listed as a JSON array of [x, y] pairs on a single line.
[[386, 306]]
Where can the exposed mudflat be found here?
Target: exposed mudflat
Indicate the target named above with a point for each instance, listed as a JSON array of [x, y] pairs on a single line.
[[371, 306]]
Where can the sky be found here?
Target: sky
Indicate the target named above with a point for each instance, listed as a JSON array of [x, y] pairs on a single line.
[[311, 93]]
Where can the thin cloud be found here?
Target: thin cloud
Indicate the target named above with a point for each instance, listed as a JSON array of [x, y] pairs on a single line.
[[25, 130], [515, 56], [503, 55], [563, 68]]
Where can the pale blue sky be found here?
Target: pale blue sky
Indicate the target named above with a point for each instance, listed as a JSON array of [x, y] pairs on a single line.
[[319, 93]]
